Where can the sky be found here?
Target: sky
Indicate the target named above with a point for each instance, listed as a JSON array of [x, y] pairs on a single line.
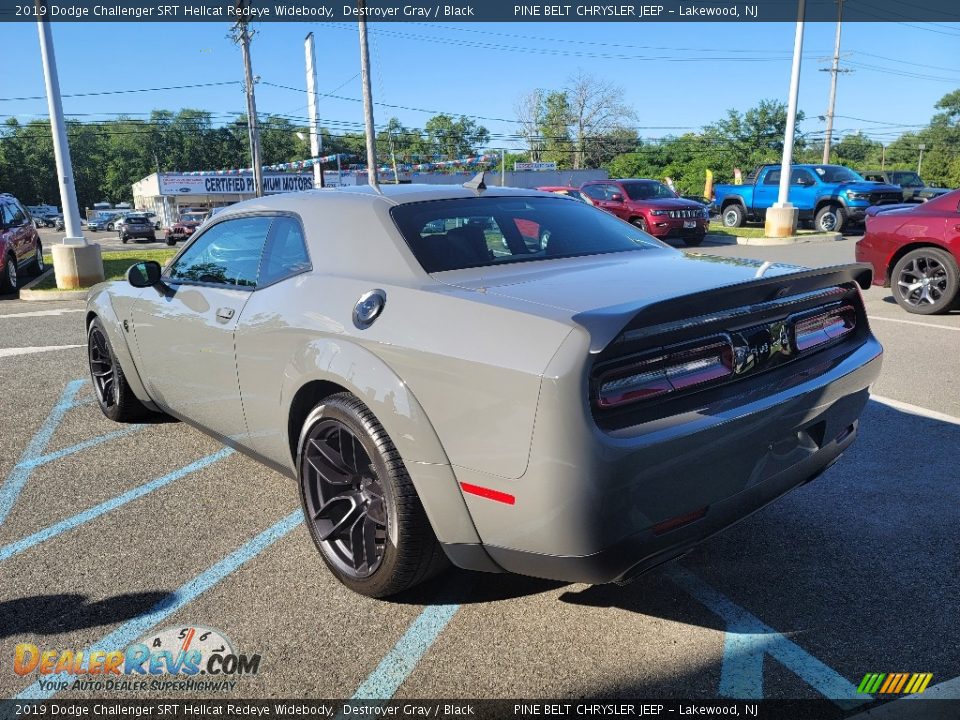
[[677, 76]]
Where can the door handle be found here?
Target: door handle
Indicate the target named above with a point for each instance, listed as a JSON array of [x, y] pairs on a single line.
[[956, 227], [224, 314]]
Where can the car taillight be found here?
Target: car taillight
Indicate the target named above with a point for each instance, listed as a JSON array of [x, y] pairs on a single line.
[[814, 330], [690, 365]]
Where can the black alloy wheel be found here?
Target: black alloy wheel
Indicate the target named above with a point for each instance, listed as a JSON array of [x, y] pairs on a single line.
[[101, 368], [359, 503], [114, 396], [344, 499]]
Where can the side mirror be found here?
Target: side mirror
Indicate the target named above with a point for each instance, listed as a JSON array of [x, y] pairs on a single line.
[[616, 197], [144, 274]]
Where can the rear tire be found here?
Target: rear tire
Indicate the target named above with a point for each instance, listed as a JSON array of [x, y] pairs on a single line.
[[359, 503], [830, 219], [926, 281], [39, 266], [733, 216], [114, 396]]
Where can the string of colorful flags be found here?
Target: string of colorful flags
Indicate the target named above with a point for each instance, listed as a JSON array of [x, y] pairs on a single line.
[[439, 165], [278, 167]]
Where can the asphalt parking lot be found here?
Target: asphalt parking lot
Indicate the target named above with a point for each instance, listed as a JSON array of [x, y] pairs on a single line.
[[110, 533]]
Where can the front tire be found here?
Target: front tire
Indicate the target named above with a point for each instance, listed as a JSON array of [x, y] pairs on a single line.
[[359, 503], [641, 224], [114, 396], [926, 281], [830, 219], [733, 216], [171, 242], [10, 280], [694, 240]]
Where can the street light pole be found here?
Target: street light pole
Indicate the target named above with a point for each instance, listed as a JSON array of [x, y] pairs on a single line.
[[76, 263], [922, 147], [781, 220], [61, 147], [834, 71], [367, 98]]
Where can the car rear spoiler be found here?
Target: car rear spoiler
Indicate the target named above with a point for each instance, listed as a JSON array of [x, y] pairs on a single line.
[[606, 324]]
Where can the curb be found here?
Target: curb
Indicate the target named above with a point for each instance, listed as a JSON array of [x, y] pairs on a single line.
[[791, 240], [29, 295]]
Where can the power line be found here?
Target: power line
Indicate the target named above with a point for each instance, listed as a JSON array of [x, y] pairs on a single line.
[[124, 92]]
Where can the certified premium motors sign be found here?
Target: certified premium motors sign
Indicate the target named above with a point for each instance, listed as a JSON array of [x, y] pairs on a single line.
[[182, 184]]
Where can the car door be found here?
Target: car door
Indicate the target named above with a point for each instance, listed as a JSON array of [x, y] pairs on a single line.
[[766, 191], [185, 327], [803, 188], [274, 327], [17, 236]]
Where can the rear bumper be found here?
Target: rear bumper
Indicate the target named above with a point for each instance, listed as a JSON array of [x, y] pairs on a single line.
[[590, 504], [644, 551]]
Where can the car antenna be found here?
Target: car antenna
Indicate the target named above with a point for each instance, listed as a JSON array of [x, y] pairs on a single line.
[[477, 182]]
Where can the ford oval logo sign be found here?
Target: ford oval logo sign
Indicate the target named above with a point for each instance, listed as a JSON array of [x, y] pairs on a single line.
[[183, 190]]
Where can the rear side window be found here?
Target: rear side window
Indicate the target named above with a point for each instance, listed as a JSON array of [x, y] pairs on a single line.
[[486, 231], [285, 254]]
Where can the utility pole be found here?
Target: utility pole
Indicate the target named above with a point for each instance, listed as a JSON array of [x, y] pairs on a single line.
[[503, 167], [922, 147], [367, 97], [76, 263], [316, 140], [781, 220], [393, 159], [883, 157], [834, 71], [253, 127]]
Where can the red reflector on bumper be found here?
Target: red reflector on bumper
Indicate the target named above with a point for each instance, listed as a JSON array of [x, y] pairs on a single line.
[[678, 521], [489, 494]]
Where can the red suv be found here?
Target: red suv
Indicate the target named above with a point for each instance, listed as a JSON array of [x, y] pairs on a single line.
[[652, 207], [20, 250]]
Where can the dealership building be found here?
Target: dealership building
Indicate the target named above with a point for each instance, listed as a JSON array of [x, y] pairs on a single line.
[[170, 194]]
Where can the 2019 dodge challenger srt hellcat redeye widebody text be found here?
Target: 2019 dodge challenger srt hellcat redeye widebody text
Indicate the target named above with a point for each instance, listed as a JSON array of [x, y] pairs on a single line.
[[581, 408]]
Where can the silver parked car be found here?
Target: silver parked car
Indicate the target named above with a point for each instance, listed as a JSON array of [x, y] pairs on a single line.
[[581, 408]]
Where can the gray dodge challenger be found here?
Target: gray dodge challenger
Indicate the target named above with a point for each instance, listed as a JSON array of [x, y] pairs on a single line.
[[506, 380]]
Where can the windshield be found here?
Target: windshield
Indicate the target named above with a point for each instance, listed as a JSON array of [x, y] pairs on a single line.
[[487, 231], [192, 217], [836, 174], [648, 190], [907, 179]]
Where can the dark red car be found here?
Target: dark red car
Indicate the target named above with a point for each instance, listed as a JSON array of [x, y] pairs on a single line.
[[914, 250], [184, 227], [651, 206], [20, 250]]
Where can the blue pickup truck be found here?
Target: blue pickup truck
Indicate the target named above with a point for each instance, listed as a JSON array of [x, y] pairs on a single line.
[[829, 195]]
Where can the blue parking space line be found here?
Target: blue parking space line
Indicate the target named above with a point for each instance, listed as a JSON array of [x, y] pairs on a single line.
[[135, 628], [15, 548], [19, 476], [748, 641], [397, 665], [86, 444]]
